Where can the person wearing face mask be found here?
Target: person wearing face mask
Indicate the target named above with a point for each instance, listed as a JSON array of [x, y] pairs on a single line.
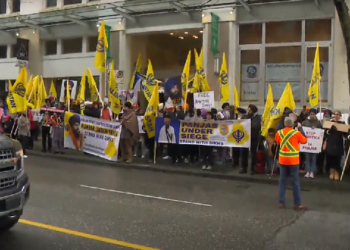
[[334, 147], [320, 160], [310, 158], [254, 140]]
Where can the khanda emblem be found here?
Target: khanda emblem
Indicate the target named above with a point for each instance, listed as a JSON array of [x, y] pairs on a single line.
[[20, 89], [238, 135], [82, 104], [150, 80], [201, 73], [223, 77], [100, 47]]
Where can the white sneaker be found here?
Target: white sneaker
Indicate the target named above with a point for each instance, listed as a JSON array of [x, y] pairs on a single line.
[[209, 168], [142, 156], [307, 175], [186, 160], [204, 167], [166, 157], [25, 156], [312, 175]]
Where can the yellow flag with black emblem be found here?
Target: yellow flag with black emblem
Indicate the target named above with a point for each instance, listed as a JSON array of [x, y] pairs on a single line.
[[114, 91], [101, 49], [150, 82], [16, 99], [94, 95], [238, 135], [223, 78]]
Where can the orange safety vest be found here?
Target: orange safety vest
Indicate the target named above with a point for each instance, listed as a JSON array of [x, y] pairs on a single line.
[[289, 140]]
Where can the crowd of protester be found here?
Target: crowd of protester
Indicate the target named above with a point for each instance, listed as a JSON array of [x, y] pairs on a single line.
[[135, 144]]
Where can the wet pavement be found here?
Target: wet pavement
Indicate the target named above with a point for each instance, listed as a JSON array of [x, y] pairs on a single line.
[[88, 207]]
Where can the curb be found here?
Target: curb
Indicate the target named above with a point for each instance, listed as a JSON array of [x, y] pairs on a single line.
[[305, 185]]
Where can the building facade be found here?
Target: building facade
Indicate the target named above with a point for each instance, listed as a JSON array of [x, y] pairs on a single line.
[[267, 42]]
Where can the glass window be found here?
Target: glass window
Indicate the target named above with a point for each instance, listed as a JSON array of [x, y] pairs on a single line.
[[72, 45], [314, 32], [51, 3], [3, 6], [283, 32], [283, 65], [250, 33], [92, 42], [67, 2], [250, 62], [16, 6], [50, 47], [324, 62], [3, 51]]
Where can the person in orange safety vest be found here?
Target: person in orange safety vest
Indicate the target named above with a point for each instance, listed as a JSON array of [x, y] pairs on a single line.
[[288, 140]]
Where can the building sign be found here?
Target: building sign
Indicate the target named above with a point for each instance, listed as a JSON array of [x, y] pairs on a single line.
[[22, 51]]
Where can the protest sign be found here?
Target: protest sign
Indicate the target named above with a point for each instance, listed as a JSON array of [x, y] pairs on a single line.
[[91, 135], [314, 140], [140, 120], [231, 133], [204, 100]]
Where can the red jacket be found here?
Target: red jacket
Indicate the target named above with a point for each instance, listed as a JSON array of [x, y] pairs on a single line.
[[31, 119]]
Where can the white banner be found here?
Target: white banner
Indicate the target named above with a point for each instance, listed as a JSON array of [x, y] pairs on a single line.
[[314, 140], [91, 135], [230, 133], [140, 120]]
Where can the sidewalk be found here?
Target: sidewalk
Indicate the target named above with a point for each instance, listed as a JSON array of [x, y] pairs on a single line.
[[222, 172]]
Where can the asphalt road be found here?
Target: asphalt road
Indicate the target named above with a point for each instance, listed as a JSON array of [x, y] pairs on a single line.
[[76, 206]]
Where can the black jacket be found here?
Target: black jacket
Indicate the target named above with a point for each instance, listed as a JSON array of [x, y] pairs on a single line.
[[255, 126], [335, 141]]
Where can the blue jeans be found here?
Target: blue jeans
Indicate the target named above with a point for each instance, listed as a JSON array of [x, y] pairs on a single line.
[[269, 163], [310, 162], [294, 172]]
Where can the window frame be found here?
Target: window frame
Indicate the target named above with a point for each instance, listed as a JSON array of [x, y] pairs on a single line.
[[45, 47], [47, 6], [71, 38], [263, 85]]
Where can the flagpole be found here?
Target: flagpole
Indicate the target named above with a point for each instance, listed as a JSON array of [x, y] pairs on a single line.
[[186, 89]]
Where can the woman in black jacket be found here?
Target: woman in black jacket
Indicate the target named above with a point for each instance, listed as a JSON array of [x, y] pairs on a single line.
[[334, 147]]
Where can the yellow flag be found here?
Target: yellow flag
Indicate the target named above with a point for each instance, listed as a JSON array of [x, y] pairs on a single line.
[[39, 94], [68, 94], [34, 96], [113, 91], [29, 87], [269, 106], [137, 70], [81, 94], [196, 79], [186, 74], [149, 119], [101, 49], [150, 82], [224, 88], [52, 91], [236, 97], [92, 86], [43, 89], [314, 88], [16, 99], [286, 101], [201, 74]]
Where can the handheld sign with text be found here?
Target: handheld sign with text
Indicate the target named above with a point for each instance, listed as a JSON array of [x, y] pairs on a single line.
[[204, 100], [314, 140]]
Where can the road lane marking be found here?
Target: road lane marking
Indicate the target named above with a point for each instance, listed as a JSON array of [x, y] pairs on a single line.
[[87, 236], [146, 196]]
